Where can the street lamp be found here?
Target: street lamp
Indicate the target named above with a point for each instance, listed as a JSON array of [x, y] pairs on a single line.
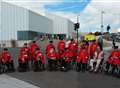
[[102, 25]]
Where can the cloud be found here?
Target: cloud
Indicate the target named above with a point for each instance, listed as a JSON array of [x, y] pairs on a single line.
[[90, 18], [35, 5]]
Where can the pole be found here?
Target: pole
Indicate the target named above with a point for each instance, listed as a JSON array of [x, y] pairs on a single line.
[[77, 29], [102, 26]]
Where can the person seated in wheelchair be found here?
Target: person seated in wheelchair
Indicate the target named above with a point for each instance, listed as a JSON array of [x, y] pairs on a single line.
[[39, 61], [67, 59], [23, 61], [109, 63], [113, 60], [6, 61], [82, 60], [52, 59], [98, 58], [0, 63]]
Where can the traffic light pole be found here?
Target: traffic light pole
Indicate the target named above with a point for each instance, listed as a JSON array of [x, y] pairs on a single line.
[[77, 29], [77, 35]]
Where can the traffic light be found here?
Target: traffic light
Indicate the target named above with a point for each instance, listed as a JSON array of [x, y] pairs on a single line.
[[108, 28], [76, 26]]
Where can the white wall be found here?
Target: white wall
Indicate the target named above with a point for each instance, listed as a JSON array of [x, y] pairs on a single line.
[[40, 23], [61, 25], [13, 18]]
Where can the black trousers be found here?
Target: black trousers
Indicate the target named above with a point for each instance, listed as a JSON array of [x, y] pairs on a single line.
[[0, 67], [38, 66], [81, 66], [22, 67], [52, 64], [9, 65], [114, 68], [107, 67]]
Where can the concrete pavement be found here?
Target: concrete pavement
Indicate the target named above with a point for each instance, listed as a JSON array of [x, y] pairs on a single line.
[[10, 82]]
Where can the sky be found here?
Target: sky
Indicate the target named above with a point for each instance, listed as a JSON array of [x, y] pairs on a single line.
[[88, 11]]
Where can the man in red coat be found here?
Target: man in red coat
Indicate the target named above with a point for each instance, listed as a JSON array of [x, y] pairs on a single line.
[[68, 55], [85, 45], [0, 63], [6, 60], [33, 47], [23, 61], [26, 49], [92, 49], [61, 49], [82, 59], [61, 45], [52, 59], [39, 61], [73, 46], [113, 60], [49, 46]]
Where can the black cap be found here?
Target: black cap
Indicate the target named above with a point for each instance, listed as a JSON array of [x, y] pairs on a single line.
[[34, 41], [116, 47], [37, 49], [5, 49], [72, 39], [25, 43], [51, 41], [83, 48]]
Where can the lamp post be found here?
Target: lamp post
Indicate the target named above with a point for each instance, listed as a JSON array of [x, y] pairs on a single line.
[[102, 19]]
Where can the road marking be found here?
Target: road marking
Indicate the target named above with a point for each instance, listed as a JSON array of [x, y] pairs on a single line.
[[10, 82]]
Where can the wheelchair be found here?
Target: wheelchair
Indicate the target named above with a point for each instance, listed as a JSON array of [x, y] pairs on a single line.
[[7, 67]]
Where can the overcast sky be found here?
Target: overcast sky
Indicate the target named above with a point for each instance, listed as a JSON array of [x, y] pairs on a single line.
[[89, 11]]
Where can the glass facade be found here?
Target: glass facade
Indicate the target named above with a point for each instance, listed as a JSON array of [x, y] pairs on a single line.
[[26, 35]]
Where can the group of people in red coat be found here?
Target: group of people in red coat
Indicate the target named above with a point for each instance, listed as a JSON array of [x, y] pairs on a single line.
[[31, 55], [87, 56]]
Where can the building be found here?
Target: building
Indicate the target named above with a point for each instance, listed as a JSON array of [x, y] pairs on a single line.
[[61, 25], [19, 23]]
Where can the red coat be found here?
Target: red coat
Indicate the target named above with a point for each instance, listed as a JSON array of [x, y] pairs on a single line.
[[40, 56], [73, 46], [52, 56], [114, 58], [23, 57], [49, 46], [93, 48], [60, 54], [6, 57], [82, 56], [61, 46], [86, 48], [27, 50], [68, 55], [33, 48]]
